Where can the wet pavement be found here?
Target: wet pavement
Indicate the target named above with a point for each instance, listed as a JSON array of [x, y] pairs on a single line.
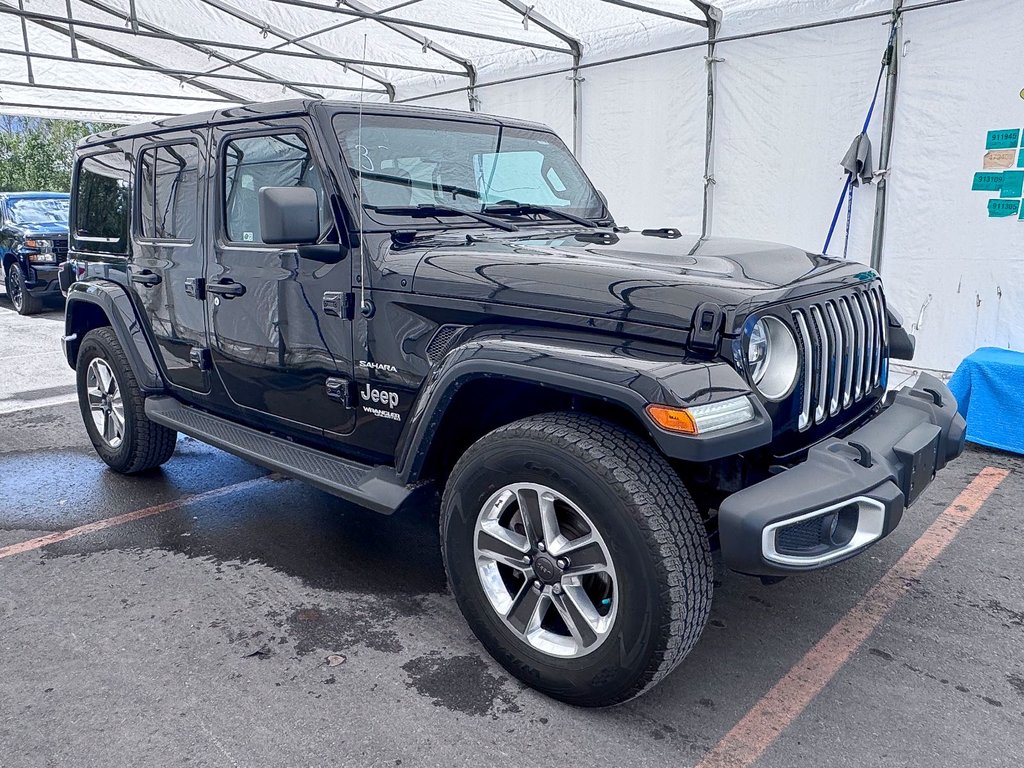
[[273, 625]]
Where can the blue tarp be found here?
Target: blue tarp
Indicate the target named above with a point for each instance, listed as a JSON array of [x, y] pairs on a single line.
[[989, 387]]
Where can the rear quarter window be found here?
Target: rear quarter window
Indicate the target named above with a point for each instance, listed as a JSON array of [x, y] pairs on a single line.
[[102, 203]]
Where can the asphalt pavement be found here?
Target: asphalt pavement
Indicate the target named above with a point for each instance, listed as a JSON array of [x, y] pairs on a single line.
[[234, 618]]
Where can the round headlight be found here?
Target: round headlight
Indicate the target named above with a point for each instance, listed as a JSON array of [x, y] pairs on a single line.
[[772, 358]]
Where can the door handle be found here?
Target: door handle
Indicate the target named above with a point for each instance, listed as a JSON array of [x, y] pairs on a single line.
[[229, 289], [145, 277]]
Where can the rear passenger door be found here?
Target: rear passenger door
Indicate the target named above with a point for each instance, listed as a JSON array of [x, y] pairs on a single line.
[[280, 332], [168, 246]]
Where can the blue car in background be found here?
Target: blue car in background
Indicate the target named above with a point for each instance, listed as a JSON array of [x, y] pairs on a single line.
[[33, 245]]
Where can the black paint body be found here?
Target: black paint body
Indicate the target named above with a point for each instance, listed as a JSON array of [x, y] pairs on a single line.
[[594, 319]]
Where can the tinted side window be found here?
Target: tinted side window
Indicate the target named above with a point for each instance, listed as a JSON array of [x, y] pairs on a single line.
[[264, 161], [168, 186], [102, 203]]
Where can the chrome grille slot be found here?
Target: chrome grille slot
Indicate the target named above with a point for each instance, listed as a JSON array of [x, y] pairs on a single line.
[[821, 395], [805, 343], [843, 342], [836, 367]]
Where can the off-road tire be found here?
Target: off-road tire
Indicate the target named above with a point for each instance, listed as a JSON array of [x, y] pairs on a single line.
[[28, 303], [645, 515], [145, 444]]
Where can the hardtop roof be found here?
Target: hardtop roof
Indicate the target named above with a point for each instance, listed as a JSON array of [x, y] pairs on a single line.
[[287, 107]]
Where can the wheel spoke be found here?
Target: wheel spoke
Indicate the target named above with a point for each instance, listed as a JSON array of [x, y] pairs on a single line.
[[549, 520], [106, 379], [575, 608], [502, 545], [529, 507], [585, 556], [108, 424], [527, 609], [117, 416]]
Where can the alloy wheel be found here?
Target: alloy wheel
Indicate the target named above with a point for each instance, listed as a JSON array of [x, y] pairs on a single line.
[[15, 287], [105, 404], [546, 570]]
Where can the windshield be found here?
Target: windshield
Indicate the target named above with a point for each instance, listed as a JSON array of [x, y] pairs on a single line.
[[408, 162], [39, 210]]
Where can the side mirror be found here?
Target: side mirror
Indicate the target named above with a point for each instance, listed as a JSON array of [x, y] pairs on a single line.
[[289, 215]]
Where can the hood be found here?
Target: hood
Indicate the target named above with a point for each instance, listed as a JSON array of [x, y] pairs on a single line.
[[631, 276], [45, 229]]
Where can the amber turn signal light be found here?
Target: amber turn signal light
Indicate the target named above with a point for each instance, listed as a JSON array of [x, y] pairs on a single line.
[[672, 419]]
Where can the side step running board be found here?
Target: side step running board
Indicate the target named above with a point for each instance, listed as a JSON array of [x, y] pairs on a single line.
[[377, 488]]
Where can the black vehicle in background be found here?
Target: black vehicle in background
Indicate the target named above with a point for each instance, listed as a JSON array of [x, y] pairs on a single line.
[[33, 245], [392, 303]]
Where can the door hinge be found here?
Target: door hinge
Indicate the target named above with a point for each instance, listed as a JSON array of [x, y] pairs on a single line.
[[338, 304], [342, 391], [195, 287], [200, 357]]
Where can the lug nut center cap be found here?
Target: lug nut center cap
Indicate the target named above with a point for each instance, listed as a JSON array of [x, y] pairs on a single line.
[[546, 569]]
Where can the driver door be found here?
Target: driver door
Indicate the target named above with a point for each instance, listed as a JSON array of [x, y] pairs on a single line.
[[278, 342]]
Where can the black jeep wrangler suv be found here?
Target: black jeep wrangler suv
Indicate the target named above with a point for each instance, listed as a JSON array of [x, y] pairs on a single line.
[[390, 302]]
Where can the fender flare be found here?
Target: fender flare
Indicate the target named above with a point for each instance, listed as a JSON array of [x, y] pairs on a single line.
[[598, 369], [114, 302]]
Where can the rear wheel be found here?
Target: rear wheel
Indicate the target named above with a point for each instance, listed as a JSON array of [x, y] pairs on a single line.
[[577, 557], [113, 407], [25, 303]]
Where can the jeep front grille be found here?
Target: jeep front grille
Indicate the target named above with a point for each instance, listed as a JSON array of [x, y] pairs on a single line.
[[843, 342]]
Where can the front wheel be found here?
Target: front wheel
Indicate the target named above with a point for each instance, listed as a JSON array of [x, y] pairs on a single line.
[[23, 301], [577, 557]]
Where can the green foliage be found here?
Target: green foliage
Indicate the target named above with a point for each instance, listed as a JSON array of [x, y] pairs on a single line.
[[36, 154]]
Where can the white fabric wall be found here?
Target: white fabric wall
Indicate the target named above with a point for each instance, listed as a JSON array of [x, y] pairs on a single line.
[[789, 105], [643, 138], [956, 274]]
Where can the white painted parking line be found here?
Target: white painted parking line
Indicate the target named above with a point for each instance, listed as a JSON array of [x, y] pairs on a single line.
[[15, 405]]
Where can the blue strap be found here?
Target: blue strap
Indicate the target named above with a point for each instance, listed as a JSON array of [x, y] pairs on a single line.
[[849, 176]]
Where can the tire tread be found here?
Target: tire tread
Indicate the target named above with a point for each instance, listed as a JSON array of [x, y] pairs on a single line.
[[663, 510]]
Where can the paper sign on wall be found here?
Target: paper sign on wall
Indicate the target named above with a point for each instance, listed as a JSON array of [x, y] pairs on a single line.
[[999, 158], [1003, 139], [1013, 184], [988, 182], [999, 209]]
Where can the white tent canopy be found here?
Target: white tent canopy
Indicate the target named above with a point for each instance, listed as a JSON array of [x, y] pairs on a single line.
[[626, 83]]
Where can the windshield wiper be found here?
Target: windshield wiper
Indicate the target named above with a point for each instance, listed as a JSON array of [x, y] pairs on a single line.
[[521, 208], [431, 209]]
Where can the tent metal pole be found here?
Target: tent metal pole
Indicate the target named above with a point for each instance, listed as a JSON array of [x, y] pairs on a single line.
[[714, 19], [71, 31], [253, 21], [79, 108], [314, 33], [428, 45], [113, 92], [377, 16], [149, 30], [24, 40], [184, 76], [658, 12], [576, 48], [885, 148], [137, 61]]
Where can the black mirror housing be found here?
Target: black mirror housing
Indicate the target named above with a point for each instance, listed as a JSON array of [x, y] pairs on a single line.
[[289, 215]]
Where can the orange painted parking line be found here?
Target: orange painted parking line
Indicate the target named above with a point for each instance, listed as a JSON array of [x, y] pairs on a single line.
[[128, 517], [763, 724]]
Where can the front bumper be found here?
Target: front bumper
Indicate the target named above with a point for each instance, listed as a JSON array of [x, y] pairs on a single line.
[[849, 493], [43, 278]]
